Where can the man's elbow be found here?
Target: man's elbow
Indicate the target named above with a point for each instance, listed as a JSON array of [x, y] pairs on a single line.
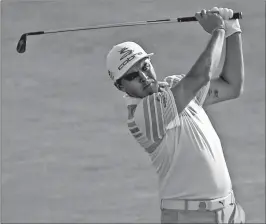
[[238, 93], [239, 89]]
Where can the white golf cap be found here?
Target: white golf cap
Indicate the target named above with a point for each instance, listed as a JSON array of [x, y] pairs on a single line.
[[122, 57]]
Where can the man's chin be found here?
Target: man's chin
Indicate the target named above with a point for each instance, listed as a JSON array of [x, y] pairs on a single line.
[[149, 90], [153, 88]]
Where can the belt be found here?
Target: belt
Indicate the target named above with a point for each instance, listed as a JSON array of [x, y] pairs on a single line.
[[201, 205]]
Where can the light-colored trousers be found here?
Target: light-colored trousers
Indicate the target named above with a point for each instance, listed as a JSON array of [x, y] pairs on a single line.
[[233, 213]]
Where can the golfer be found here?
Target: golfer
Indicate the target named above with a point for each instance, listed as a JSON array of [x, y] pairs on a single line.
[[169, 121]]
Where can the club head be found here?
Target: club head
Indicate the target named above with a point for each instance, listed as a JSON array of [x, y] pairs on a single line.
[[21, 47]]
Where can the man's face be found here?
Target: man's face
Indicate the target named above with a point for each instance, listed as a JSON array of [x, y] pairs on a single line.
[[140, 80]]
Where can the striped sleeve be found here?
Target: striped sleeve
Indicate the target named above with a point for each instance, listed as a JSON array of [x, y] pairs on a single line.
[[152, 118]]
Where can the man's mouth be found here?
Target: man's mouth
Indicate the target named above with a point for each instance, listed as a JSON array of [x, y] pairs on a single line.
[[145, 87], [148, 84]]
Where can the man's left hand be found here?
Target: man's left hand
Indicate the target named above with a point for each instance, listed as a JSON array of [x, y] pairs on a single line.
[[231, 26]]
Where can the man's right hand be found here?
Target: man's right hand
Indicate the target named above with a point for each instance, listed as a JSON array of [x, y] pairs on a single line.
[[210, 21]]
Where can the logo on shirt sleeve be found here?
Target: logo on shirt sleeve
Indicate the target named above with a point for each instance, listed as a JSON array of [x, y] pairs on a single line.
[[162, 98]]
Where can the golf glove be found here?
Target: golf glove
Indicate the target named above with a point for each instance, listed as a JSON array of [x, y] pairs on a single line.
[[231, 26]]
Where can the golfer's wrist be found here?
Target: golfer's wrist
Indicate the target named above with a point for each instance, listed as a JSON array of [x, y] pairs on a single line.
[[228, 35], [220, 29], [230, 32]]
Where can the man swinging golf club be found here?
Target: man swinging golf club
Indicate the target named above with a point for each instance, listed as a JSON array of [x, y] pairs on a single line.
[[168, 120]]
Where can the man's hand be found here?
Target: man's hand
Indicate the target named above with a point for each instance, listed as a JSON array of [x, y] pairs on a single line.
[[231, 26], [210, 21]]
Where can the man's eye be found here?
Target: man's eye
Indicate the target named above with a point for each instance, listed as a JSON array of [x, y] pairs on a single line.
[[132, 76]]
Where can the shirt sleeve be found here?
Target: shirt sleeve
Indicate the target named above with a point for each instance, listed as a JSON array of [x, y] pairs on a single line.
[[173, 80], [157, 113], [200, 96]]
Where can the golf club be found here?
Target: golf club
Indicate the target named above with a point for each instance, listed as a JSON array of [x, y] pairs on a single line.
[[21, 46]]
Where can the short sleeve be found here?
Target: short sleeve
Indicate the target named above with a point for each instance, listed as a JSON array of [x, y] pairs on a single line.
[[173, 80], [156, 113], [200, 96]]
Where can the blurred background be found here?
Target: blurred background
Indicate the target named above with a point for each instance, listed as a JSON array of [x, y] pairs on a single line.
[[67, 155]]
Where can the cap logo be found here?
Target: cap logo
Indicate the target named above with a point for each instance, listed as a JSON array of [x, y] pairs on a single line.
[[126, 52], [128, 60]]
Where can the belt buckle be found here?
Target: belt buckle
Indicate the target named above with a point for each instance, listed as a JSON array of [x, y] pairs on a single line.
[[202, 206]]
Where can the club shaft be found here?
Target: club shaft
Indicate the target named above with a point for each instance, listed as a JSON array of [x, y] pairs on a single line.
[[237, 15], [139, 23]]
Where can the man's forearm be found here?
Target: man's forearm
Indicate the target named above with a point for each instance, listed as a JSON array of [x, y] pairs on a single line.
[[210, 57], [233, 69]]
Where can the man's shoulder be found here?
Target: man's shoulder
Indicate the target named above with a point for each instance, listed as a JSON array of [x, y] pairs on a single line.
[[173, 79], [145, 107]]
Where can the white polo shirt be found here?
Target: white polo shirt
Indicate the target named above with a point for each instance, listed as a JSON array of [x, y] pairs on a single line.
[[184, 148]]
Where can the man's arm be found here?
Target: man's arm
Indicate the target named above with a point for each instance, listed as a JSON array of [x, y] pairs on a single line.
[[201, 72], [230, 83]]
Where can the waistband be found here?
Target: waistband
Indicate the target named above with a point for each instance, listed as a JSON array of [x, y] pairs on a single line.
[[201, 205]]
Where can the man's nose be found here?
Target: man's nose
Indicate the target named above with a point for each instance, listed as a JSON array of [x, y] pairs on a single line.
[[143, 76]]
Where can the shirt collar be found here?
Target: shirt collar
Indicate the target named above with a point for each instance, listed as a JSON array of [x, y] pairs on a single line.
[[131, 100]]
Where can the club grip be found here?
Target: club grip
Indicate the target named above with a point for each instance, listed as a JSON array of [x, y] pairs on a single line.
[[36, 33], [236, 15]]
